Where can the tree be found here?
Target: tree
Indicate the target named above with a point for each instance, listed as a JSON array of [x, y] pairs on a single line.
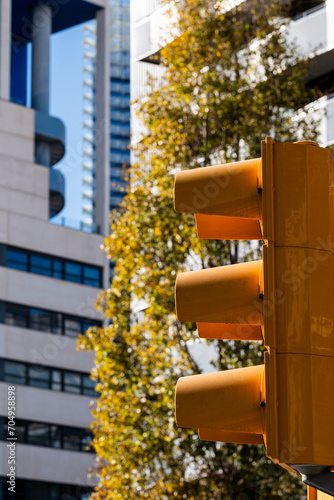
[[231, 79]]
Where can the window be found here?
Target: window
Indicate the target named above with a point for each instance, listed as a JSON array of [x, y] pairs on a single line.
[[92, 276], [45, 321], [14, 372], [17, 259], [37, 490], [73, 272], [38, 434], [72, 327], [56, 323], [47, 265], [45, 377], [20, 432], [50, 435], [57, 269], [88, 386], [55, 436], [40, 265], [16, 315], [72, 439], [40, 320], [56, 384], [39, 376], [72, 382]]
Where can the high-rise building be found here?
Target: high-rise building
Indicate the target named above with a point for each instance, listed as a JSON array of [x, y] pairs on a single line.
[[119, 61], [49, 275], [311, 27]]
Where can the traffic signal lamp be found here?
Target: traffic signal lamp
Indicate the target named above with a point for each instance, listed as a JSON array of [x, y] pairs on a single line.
[[286, 199]]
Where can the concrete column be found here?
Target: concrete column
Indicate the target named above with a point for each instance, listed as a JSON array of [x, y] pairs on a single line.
[[102, 131], [5, 47], [40, 87]]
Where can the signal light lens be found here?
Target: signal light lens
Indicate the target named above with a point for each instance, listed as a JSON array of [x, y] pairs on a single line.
[[227, 401], [227, 294], [231, 190]]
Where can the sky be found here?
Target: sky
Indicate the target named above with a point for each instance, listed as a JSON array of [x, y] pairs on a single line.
[[66, 103]]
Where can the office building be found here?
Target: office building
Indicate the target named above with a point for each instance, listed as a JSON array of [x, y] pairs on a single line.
[[119, 155], [49, 275], [311, 27]]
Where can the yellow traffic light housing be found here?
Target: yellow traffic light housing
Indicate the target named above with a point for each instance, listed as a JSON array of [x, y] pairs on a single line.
[[286, 199]]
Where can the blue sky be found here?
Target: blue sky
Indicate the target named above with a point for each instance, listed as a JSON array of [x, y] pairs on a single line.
[[66, 103]]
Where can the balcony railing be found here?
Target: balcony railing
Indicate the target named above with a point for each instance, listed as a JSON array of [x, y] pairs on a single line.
[[79, 225], [142, 9]]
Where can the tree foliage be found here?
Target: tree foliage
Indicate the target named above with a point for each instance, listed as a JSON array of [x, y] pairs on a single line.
[[231, 79]]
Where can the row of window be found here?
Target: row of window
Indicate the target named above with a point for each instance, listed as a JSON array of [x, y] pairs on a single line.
[[43, 320], [120, 72], [46, 377], [119, 158], [50, 435], [39, 490], [47, 265], [119, 102]]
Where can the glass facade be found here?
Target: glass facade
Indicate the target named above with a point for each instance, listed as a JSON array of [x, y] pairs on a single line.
[[119, 98], [119, 57]]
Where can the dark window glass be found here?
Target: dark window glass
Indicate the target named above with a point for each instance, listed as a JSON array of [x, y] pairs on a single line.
[[88, 386], [74, 492], [57, 269], [16, 315], [17, 259], [39, 376], [56, 322], [56, 380], [71, 439], [14, 372], [73, 272], [53, 266], [38, 434], [72, 327], [54, 492], [38, 491], [40, 320], [72, 382], [35, 490], [47, 321], [92, 276], [20, 432], [55, 436], [40, 265], [48, 378]]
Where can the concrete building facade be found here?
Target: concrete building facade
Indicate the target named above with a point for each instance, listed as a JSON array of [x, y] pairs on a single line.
[[49, 275]]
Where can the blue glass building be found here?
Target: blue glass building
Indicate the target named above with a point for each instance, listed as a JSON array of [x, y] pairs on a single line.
[[119, 46]]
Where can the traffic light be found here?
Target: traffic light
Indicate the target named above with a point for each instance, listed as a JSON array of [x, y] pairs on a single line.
[[286, 199], [314, 494]]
